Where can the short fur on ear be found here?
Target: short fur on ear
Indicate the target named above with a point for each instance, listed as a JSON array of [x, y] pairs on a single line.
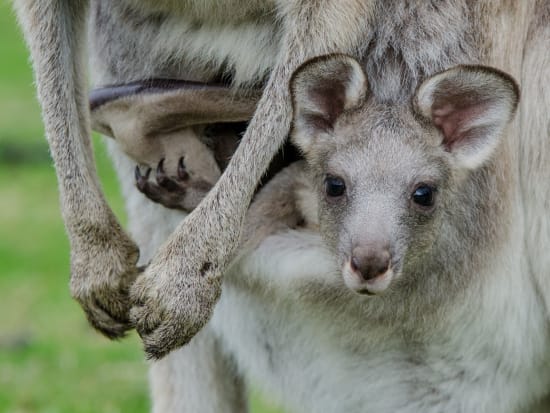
[[322, 89], [157, 106], [471, 106]]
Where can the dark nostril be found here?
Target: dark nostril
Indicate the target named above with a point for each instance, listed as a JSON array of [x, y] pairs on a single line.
[[378, 268]]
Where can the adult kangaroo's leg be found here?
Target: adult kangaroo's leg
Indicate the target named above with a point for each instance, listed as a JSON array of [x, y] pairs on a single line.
[[103, 257], [175, 296]]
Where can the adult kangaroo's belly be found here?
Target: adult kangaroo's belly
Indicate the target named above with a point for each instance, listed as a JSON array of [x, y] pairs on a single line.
[[131, 41]]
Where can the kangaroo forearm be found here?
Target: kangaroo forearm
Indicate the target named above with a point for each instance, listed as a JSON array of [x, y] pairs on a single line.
[[57, 55]]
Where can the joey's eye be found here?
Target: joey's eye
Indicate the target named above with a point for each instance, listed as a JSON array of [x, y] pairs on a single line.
[[424, 195], [334, 186]]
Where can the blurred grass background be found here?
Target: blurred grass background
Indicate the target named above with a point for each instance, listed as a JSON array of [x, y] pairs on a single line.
[[50, 359]]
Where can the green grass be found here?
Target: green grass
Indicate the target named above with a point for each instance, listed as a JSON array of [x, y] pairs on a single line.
[[50, 359]]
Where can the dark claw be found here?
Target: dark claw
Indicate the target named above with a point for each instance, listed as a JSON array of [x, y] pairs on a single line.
[[163, 181], [138, 174], [141, 180], [182, 171], [160, 170], [160, 174]]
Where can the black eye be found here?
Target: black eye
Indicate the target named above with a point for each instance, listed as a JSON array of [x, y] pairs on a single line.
[[424, 195], [334, 187]]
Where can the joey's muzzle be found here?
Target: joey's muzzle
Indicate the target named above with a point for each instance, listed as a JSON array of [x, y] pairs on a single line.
[[368, 270]]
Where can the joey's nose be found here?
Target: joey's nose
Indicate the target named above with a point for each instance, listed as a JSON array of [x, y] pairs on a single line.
[[370, 263]]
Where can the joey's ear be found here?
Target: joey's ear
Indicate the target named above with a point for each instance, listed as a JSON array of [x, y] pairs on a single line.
[[471, 106], [148, 108], [322, 89]]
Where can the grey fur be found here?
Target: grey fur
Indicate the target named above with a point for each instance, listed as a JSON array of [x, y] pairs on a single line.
[[399, 45]]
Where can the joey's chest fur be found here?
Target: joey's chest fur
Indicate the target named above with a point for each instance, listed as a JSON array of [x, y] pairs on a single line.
[[332, 358]]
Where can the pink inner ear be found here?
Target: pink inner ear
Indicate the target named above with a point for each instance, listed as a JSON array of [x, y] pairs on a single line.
[[455, 123]]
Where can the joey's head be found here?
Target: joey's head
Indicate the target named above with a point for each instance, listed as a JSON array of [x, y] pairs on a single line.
[[399, 186]]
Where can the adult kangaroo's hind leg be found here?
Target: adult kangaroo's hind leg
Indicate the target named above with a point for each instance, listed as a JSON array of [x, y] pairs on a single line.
[[103, 257], [175, 296]]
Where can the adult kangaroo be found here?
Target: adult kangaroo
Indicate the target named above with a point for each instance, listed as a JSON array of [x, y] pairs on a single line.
[[399, 45]]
